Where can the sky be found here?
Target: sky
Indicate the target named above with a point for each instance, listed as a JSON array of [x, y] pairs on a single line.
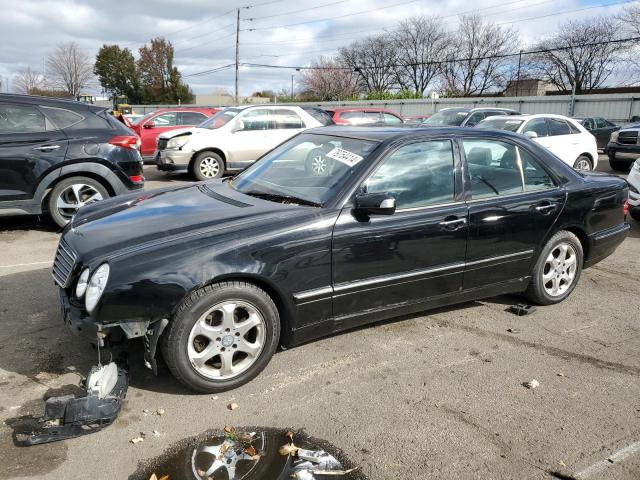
[[275, 32]]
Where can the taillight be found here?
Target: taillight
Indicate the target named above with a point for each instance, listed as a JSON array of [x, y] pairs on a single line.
[[126, 141], [625, 208], [136, 178]]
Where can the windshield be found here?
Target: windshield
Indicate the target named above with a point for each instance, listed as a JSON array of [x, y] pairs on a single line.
[[220, 119], [453, 118], [308, 169], [138, 120], [501, 124]]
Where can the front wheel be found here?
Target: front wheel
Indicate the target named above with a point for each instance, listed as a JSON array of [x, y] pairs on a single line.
[[222, 336], [557, 269], [208, 165], [72, 193], [583, 163], [618, 165]]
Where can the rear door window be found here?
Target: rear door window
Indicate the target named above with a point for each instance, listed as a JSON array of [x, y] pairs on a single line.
[[493, 167], [191, 118], [168, 119], [22, 119], [62, 118], [557, 126], [474, 119], [287, 119]]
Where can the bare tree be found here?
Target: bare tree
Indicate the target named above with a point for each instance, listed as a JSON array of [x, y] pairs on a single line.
[[578, 54], [630, 19], [27, 81], [70, 68], [327, 80], [420, 44], [473, 65], [374, 60]]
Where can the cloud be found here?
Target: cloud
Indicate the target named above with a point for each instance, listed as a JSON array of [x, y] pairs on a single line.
[[203, 32]]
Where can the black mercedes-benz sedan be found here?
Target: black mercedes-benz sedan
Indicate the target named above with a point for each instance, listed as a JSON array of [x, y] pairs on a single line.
[[335, 228]]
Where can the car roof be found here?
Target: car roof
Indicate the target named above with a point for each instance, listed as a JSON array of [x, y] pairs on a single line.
[[475, 109], [51, 101], [528, 117], [381, 134], [361, 109]]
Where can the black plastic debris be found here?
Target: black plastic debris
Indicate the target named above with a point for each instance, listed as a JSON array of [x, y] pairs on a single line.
[[521, 309], [69, 416]]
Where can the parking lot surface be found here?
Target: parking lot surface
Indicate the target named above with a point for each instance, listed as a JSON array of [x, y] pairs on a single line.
[[435, 395]]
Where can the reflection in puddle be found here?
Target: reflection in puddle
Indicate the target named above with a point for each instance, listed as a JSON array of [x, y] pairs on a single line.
[[251, 454]]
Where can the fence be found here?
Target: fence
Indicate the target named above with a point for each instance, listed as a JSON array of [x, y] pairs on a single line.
[[616, 107]]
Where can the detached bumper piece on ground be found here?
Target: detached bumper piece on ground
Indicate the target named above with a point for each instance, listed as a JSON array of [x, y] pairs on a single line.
[[69, 416]]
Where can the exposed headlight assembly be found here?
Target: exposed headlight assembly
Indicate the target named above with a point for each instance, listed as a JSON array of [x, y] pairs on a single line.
[[83, 281], [177, 142], [614, 137], [96, 287]]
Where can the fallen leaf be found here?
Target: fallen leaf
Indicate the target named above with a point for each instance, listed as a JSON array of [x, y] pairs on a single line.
[[160, 411], [153, 477], [288, 449], [250, 450], [233, 406], [136, 440]]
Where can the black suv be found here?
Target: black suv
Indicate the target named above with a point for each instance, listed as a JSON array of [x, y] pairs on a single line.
[[58, 155]]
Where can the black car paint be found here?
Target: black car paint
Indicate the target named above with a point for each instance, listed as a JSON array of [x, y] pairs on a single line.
[[602, 134], [27, 174], [326, 269]]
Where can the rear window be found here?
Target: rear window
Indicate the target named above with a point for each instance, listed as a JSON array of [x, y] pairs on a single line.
[[324, 117], [558, 126], [62, 118]]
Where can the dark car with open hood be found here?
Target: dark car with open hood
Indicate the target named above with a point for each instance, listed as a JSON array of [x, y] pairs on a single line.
[[217, 275], [58, 155]]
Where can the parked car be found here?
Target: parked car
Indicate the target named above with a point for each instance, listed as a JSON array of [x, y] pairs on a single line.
[[233, 139], [222, 272], [58, 155], [165, 120], [464, 117], [365, 116], [599, 128], [563, 136], [416, 119], [624, 147], [634, 190]]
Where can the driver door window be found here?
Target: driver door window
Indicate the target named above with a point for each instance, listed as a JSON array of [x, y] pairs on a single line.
[[416, 175], [255, 120], [538, 126], [165, 120]]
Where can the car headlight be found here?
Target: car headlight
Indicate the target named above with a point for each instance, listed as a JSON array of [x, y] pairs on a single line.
[[83, 281], [614, 137], [96, 287], [177, 142]]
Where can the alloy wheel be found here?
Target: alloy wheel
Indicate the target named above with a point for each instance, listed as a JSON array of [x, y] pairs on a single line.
[[319, 165], [583, 164], [559, 269], [226, 340], [209, 167], [75, 196]]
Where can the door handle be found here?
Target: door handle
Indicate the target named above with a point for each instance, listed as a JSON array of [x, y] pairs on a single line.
[[47, 148], [547, 207], [453, 223]]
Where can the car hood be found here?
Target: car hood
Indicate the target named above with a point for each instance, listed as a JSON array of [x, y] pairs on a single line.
[[184, 131], [133, 222]]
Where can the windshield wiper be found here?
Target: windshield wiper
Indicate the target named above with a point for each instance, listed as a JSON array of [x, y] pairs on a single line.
[[283, 198]]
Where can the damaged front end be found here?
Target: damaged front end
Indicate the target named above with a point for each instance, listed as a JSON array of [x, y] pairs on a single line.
[[68, 416]]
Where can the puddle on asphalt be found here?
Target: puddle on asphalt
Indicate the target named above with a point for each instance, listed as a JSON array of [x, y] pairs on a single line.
[[252, 453]]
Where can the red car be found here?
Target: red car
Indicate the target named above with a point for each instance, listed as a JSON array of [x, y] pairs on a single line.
[[364, 116], [159, 121]]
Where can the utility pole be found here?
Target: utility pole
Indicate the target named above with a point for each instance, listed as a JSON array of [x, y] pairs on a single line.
[[237, 54], [292, 87]]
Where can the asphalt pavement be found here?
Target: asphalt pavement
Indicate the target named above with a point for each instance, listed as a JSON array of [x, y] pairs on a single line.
[[435, 395]]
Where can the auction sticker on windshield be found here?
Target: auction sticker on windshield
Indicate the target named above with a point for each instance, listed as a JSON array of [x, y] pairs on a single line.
[[345, 156]]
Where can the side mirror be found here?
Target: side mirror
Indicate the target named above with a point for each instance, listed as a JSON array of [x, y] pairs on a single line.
[[530, 134], [375, 204], [238, 126], [149, 125]]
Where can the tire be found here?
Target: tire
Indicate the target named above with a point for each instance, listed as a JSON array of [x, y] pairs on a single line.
[[199, 326], [583, 162], [635, 213], [208, 165], [619, 165], [317, 163], [543, 279], [72, 193]]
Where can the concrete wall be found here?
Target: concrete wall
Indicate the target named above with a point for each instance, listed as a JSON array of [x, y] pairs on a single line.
[[616, 107]]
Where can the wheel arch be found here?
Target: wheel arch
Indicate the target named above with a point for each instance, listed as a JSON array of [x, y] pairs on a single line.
[[579, 232], [216, 150]]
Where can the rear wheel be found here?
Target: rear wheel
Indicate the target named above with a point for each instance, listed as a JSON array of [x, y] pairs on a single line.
[[208, 165], [583, 163], [557, 269], [222, 336], [72, 193], [635, 213]]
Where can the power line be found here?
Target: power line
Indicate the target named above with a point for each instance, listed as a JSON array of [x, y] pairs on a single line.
[[298, 11], [455, 60], [569, 11], [211, 70]]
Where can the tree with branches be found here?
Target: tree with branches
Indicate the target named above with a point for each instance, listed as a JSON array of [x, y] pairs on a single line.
[[116, 70], [472, 60], [578, 55], [374, 60], [27, 81], [160, 79], [69, 69], [328, 80], [420, 43]]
